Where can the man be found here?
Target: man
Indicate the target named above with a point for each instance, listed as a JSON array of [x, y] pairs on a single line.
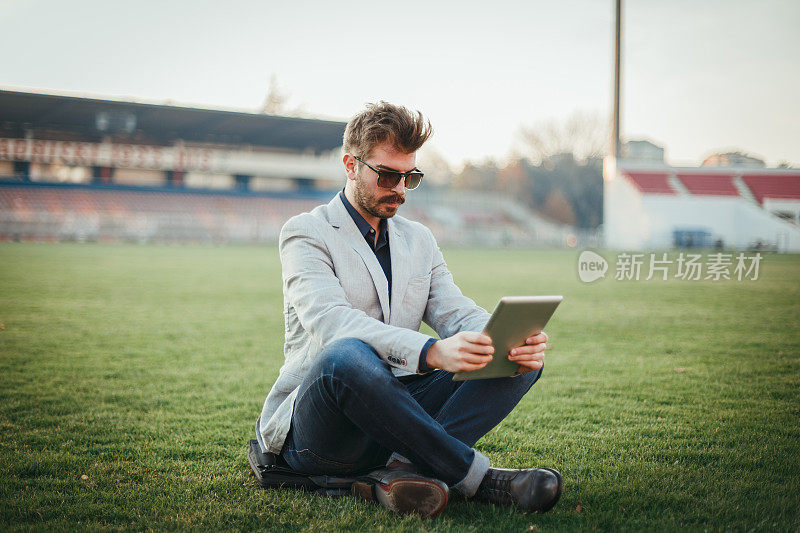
[[362, 390]]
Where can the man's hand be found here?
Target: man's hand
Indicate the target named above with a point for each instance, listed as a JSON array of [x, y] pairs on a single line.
[[463, 352], [530, 356]]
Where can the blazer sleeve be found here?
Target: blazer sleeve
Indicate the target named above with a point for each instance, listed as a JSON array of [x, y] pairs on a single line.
[[313, 288], [448, 311]]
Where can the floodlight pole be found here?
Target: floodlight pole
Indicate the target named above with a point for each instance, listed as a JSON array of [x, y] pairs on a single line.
[[615, 142]]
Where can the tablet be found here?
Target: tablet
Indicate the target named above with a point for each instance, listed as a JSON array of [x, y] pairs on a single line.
[[514, 319]]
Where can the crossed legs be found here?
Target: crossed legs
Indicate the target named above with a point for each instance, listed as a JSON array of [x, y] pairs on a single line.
[[351, 413]]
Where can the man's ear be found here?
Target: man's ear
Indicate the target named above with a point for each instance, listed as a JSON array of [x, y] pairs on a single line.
[[349, 166]]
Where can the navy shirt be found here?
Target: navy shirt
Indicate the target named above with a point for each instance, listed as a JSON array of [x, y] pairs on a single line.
[[382, 252]]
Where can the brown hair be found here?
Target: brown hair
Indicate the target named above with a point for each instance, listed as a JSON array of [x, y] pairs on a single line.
[[405, 129]]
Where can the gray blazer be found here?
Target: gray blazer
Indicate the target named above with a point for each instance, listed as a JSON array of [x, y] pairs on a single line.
[[334, 287]]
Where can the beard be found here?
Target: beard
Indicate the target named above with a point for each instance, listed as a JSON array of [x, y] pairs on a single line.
[[374, 204]]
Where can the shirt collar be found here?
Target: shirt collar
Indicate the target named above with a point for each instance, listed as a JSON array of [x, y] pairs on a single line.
[[363, 225]]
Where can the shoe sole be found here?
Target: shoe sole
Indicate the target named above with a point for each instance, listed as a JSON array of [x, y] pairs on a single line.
[[403, 496], [558, 494]]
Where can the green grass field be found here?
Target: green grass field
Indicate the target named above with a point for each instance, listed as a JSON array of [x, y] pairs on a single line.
[[130, 378]]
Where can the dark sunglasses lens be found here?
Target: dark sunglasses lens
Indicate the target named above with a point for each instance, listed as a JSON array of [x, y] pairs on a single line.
[[413, 179], [388, 180]]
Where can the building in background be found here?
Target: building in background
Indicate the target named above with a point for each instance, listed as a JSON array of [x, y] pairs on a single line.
[[733, 159], [643, 151], [67, 139], [656, 206], [88, 169]]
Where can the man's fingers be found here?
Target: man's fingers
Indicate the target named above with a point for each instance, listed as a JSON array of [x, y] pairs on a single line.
[[477, 359], [528, 349], [469, 367], [528, 366], [479, 348], [476, 338], [538, 338], [527, 357]]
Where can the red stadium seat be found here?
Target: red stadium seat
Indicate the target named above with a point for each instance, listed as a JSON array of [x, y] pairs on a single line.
[[709, 184], [651, 182], [773, 186]]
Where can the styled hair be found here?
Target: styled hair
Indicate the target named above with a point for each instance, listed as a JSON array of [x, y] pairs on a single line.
[[405, 129]]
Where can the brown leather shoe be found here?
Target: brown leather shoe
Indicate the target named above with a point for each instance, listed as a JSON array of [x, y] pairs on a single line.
[[401, 488], [531, 489]]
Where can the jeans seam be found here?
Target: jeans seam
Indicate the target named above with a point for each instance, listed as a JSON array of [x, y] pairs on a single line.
[[318, 458], [441, 410], [308, 451], [299, 397]]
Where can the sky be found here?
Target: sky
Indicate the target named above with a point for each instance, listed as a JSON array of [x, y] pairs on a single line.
[[699, 76]]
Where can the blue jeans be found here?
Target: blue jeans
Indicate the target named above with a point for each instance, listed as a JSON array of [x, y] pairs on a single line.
[[351, 413]]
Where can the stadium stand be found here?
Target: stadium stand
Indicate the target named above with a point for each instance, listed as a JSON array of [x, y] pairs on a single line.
[[758, 187], [736, 207], [35, 212], [473, 218], [768, 186], [58, 213], [77, 168], [711, 184], [651, 182]]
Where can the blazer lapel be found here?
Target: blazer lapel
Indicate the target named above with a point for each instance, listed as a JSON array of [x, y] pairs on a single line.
[[341, 219], [401, 265]]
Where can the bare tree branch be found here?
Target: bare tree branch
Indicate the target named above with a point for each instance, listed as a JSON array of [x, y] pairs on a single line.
[[276, 102], [583, 134]]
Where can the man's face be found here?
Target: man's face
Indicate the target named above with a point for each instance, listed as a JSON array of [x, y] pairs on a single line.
[[377, 201]]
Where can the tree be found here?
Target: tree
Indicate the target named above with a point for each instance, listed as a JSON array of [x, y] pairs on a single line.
[[558, 208], [477, 176], [513, 179], [582, 134], [277, 100], [432, 162]]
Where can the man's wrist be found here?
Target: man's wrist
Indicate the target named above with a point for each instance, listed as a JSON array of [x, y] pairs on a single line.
[[424, 362]]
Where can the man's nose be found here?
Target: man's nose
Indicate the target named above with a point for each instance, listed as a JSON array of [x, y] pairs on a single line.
[[400, 188]]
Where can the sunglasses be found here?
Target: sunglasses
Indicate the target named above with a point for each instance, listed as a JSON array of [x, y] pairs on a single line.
[[388, 179]]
